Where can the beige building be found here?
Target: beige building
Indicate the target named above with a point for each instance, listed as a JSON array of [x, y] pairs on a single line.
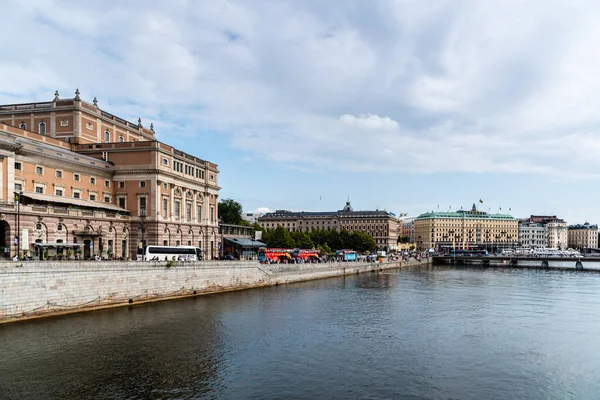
[[583, 236], [381, 225], [462, 229], [93, 181]]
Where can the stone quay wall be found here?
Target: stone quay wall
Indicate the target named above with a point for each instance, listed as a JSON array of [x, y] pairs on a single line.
[[41, 289]]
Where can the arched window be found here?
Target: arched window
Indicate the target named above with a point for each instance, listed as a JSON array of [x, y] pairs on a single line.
[[23, 126], [107, 136], [121, 140], [42, 128]]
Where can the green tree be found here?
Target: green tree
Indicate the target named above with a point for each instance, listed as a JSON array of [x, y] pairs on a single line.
[[230, 211], [278, 237], [361, 241], [302, 240]]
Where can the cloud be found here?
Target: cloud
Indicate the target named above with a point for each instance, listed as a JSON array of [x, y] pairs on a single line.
[[451, 86], [262, 210], [370, 122]]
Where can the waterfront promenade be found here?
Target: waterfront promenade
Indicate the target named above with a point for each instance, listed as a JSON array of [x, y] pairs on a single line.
[[41, 289]]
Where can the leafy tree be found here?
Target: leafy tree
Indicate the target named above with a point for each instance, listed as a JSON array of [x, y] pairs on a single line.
[[404, 239], [361, 241], [278, 237], [302, 240], [230, 212]]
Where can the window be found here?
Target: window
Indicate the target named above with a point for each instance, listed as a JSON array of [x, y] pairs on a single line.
[[77, 195], [59, 227], [92, 180], [176, 212], [58, 192], [23, 126], [39, 189], [121, 201], [106, 183], [121, 140], [76, 177], [199, 213], [165, 161], [142, 205], [107, 199], [42, 128], [18, 166], [212, 214], [188, 212], [121, 185], [165, 206], [212, 177], [18, 186], [59, 174], [165, 185], [142, 184], [93, 196], [107, 136], [39, 170], [105, 155]]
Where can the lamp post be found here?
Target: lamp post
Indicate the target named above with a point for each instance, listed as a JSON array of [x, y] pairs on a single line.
[[143, 228], [18, 200]]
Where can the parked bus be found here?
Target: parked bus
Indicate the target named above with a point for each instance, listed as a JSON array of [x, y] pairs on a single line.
[[307, 255], [274, 255], [166, 253], [346, 255]]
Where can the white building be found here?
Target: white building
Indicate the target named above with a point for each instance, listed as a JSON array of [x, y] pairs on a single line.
[[252, 217], [555, 231]]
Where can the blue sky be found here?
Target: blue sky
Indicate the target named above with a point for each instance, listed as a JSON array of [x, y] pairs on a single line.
[[401, 105]]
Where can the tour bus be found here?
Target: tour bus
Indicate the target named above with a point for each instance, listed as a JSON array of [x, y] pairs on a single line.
[[307, 255], [167, 253], [346, 255], [275, 255]]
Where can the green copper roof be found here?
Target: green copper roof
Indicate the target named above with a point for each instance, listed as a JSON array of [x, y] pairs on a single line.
[[463, 214]]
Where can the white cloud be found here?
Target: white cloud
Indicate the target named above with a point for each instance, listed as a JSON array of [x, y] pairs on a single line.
[[380, 86], [370, 122]]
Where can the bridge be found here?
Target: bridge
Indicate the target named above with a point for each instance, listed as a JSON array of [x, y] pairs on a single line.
[[567, 263]]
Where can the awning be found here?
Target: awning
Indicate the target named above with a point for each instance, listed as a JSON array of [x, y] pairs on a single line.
[[246, 243], [77, 202]]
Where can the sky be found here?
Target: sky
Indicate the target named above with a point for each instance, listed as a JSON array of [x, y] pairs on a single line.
[[407, 106]]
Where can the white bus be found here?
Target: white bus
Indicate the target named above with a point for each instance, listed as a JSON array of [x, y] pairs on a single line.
[[167, 253]]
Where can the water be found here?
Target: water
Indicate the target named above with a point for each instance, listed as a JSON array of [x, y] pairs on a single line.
[[437, 333]]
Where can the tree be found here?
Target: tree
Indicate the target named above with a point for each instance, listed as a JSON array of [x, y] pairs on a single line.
[[278, 237], [230, 212], [361, 241], [302, 240]]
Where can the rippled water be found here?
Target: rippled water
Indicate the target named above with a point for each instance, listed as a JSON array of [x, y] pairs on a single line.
[[417, 334]]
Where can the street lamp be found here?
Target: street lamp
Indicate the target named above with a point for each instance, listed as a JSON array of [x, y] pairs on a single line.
[[18, 200], [143, 228]]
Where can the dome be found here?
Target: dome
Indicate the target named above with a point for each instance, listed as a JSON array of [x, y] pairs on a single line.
[[347, 207]]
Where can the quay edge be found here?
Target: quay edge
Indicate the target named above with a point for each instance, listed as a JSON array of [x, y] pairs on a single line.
[[32, 290]]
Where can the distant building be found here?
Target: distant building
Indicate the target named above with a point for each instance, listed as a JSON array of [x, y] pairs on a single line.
[[583, 236], [381, 225], [555, 231], [407, 226], [462, 229], [532, 234], [251, 217]]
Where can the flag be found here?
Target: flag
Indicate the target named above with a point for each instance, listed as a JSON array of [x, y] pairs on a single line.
[[481, 201], [500, 208], [509, 208]]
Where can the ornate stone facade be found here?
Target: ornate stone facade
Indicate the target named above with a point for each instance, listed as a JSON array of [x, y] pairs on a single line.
[[111, 190]]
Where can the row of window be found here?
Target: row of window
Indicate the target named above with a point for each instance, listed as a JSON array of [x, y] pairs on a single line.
[[41, 127], [187, 169], [188, 210]]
